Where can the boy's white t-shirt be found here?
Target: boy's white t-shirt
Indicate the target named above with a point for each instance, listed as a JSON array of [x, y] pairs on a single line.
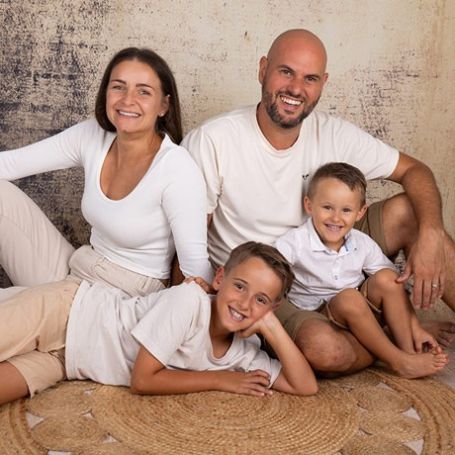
[[255, 191], [321, 273], [106, 328]]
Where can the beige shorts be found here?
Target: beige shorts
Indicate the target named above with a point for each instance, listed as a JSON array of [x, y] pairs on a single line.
[[292, 317], [33, 327]]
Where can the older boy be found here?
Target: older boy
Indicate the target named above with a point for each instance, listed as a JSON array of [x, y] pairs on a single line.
[[330, 259], [149, 342]]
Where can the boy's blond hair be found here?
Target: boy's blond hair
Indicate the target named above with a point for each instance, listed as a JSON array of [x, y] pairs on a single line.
[[270, 255], [344, 172]]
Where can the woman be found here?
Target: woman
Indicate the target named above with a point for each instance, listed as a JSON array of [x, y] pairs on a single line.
[[143, 195]]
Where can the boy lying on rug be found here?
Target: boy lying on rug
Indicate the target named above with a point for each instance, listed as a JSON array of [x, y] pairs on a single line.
[[330, 293], [150, 343]]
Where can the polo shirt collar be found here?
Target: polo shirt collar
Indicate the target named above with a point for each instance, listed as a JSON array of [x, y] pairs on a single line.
[[317, 244]]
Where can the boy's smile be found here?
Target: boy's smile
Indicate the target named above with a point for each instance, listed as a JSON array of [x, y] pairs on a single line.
[[245, 294], [334, 209]]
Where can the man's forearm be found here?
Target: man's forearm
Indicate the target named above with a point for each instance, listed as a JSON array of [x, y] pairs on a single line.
[[420, 186]]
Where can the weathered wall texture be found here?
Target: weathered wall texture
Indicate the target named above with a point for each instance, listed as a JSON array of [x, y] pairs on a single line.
[[391, 65]]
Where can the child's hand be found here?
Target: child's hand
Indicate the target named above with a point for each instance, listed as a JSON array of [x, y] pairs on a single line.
[[251, 383], [201, 282], [266, 322], [423, 341]]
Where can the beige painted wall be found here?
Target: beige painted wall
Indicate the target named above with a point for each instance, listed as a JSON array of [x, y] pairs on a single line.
[[391, 65]]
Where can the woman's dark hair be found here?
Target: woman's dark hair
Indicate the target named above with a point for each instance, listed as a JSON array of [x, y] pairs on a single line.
[[171, 122]]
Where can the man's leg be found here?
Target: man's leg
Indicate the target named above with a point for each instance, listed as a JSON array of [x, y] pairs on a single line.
[[400, 232], [330, 351]]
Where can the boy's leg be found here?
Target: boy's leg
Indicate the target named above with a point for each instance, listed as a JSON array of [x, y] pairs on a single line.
[[329, 350], [382, 290], [12, 384], [33, 327], [32, 250], [391, 223], [349, 309]]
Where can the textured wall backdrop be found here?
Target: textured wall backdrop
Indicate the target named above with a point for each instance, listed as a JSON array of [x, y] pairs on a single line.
[[391, 65]]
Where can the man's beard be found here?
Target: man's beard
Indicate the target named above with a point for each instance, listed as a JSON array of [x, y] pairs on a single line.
[[272, 110]]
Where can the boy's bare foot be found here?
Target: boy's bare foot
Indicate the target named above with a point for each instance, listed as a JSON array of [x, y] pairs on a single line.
[[442, 331], [411, 366]]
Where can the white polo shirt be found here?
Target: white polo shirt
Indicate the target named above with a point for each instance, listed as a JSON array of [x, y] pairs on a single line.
[[321, 273]]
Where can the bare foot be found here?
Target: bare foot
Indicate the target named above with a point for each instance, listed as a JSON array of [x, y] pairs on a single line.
[[412, 366], [442, 331]]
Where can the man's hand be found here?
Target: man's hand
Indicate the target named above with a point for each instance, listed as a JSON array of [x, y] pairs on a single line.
[[426, 261], [251, 383]]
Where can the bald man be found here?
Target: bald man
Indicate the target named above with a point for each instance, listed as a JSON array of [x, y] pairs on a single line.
[[258, 160]]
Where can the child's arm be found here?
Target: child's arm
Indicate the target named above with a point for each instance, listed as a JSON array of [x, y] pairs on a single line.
[[150, 376], [296, 376]]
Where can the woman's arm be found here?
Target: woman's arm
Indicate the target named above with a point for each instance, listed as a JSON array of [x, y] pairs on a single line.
[[61, 151], [184, 202]]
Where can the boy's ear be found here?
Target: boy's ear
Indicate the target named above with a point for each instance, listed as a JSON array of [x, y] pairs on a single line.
[[361, 212], [307, 205], [218, 278]]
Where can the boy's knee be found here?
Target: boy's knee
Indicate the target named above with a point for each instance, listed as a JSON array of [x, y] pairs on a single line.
[[383, 280], [348, 302]]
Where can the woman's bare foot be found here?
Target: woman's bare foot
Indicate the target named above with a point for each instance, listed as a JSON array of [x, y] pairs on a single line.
[[411, 366], [442, 331]]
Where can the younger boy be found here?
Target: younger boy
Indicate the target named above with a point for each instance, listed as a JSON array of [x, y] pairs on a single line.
[[330, 259], [150, 343]]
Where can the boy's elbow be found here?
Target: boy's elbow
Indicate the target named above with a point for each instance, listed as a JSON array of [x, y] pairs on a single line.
[[306, 389], [138, 386], [311, 390]]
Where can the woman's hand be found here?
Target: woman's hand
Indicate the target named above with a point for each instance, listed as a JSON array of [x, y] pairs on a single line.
[[201, 282]]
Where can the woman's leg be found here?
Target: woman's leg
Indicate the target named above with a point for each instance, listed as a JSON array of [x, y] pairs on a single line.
[[32, 250]]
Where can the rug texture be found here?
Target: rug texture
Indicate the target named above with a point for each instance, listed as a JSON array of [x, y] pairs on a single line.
[[372, 412]]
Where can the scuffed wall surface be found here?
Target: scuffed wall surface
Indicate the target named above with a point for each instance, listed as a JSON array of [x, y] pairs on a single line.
[[391, 68]]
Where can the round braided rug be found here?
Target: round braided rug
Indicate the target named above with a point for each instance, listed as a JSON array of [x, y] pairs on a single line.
[[216, 422], [342, 418]]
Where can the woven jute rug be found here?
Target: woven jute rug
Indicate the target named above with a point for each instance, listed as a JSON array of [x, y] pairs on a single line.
[[369, 413]]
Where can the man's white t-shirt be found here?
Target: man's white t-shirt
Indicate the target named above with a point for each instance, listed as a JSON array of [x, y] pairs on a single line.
[[255, 191], [321, 273], [106, 328]]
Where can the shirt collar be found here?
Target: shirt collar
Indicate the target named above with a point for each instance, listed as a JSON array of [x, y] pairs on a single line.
[[317, 244]]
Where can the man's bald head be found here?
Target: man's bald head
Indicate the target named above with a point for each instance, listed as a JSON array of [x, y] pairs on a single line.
[[299, 39], [292, 77]]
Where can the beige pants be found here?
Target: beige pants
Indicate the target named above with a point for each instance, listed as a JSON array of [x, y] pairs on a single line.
[[33, 252]]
